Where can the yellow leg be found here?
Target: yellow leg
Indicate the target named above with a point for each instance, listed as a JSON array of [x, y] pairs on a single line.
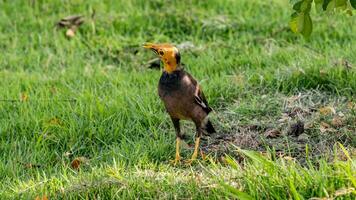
[[177, 159], [196, 149], [195, 153]]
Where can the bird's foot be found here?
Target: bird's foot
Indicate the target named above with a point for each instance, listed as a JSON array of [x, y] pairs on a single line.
[[190, 161], [176, 161]]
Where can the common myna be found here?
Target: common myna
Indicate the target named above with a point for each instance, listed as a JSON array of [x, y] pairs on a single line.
[[182, 96]]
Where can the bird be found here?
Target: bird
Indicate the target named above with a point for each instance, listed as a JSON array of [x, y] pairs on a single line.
[[182, 96], [71, 23]]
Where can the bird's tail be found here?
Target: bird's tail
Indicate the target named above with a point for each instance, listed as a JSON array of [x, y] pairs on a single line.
[[209, 128]]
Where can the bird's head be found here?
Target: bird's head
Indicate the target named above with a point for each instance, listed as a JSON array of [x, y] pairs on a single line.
[[168, 53]]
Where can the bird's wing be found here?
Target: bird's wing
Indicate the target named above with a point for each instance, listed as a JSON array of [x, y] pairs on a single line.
[[199, 95], [201, 100]]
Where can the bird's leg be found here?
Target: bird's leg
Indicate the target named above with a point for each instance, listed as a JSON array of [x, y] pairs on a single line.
[[177, 158], [178, 139], [196, 146]]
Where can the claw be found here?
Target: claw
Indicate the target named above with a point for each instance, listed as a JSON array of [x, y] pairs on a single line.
[[189, 161], [175, 161]]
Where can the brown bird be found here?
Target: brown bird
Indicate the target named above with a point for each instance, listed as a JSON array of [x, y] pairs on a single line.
[[182, 96]]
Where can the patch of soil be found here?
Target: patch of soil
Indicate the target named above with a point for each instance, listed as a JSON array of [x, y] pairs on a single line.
[[298, 131]]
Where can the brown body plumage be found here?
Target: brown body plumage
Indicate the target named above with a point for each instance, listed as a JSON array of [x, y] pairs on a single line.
[[181, 95]]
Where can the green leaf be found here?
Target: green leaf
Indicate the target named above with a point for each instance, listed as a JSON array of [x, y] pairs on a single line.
[[258, 158], [331, 5], [293, 190], [340, 3], [296, 22], [307, 26], [353, 3], [301, 23], [297, 6], [232, 162], [319, 5], [349, 12], [302, 6], [345, 151], [235, 192], [305, 6], [326, 3], [293, 1]]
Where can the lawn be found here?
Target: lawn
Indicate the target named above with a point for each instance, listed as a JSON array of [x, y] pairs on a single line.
[[80, 117]]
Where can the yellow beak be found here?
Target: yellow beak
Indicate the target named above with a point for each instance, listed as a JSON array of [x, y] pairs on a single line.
[[153, 47], [149, 46]]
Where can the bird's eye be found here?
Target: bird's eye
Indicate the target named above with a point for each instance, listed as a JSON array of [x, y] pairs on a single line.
[[160, 53]]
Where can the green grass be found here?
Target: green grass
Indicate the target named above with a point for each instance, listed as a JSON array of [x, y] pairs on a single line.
[[93, 96]]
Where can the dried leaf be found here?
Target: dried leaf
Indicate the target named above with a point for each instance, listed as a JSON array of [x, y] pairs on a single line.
[[303, 137], [44, 197], [309, 125], [75, 164], [323, 73], [30, 165], [324, 127], [294, 98], [67, 154], [23, 97], [55, 121], [322, 198], [285, 117], [223, 160], [53, 90], [239, 79], [351, 105], [341, 156], [327, 110], [273, 133], [343, 191], [202, 154], [295, 111], [70, 33], [289, 158], [337, 121], [347, 64]]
